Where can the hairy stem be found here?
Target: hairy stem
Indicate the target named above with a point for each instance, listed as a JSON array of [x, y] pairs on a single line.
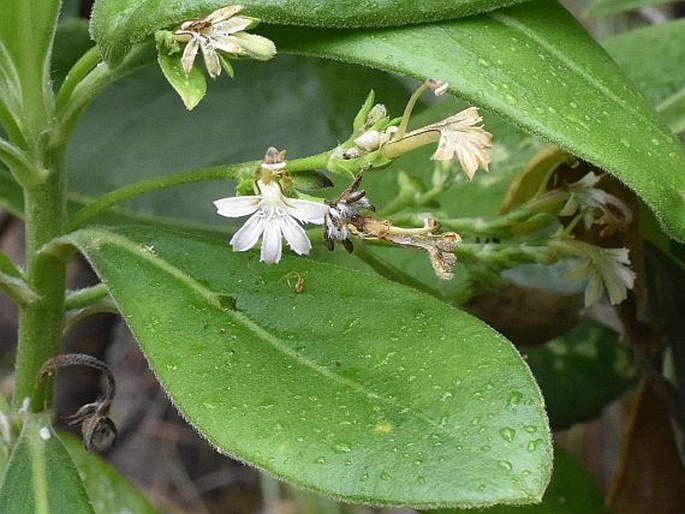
[[40, 322]]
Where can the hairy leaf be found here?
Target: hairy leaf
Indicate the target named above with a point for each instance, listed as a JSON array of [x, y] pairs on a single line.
[[110, 492], [572, 491], [355, 387], [535, 66], [654, 58], [40, 477], [118, 24]]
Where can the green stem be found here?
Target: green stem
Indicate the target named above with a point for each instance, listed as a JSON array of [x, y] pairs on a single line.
[[85, 297], [313, 162], [76, 74], [19, 164], [16, 289], [156, 184], [40, 322], [233, 172], [409, 108], [84, 86]]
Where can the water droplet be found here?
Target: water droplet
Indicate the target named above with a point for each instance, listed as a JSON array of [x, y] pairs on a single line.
[[507, 433], [573, 104], [320, 460], [531, 429], [446, 396], [364, 477], [625, 142], [385, 475], [484, 62], [421, 480], [341, 448], [533, 445], [511, 99], [485, 448], [514, 399], [505, 464], [655, 142]]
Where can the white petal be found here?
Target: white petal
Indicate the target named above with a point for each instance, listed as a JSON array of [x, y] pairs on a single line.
[[307, 211], [232, 26], [248, 234], [228, 44], [237, 206], [189, 54], [223, 14], [271, 241], [296, 236], [211, 59]]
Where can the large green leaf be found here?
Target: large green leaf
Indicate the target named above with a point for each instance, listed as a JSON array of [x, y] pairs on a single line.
[[604, 7], [572, 490], [356, 387], [654, 58], [110, 491], [537, 67], [40, 477], [118, 24]]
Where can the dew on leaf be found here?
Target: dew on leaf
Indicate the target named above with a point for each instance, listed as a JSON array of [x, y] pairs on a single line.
[[505, 464], [507, 433]]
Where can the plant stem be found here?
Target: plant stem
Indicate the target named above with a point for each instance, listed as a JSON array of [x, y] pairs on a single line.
[[85, 297], [235, 171], [19, 164], [78, 71], [40, 322], [16, 289], [155, 184]]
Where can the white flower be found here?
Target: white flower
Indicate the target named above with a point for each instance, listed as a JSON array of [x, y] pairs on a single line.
[[460, 136], [221, 30], [273, 216], [594, 204], [606, 269], [457, 136]]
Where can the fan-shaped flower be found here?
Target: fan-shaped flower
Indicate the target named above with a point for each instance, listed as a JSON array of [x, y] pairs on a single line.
[[274, 216], [224, 31]]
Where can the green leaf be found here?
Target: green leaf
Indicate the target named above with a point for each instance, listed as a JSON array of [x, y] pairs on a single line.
[[654, 58], [118, 24], [356, 387], [26, 31], [572, 490], [581, 372], [535, 66], [40, 477], [190, 87], [110, 491], [604, 7]]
